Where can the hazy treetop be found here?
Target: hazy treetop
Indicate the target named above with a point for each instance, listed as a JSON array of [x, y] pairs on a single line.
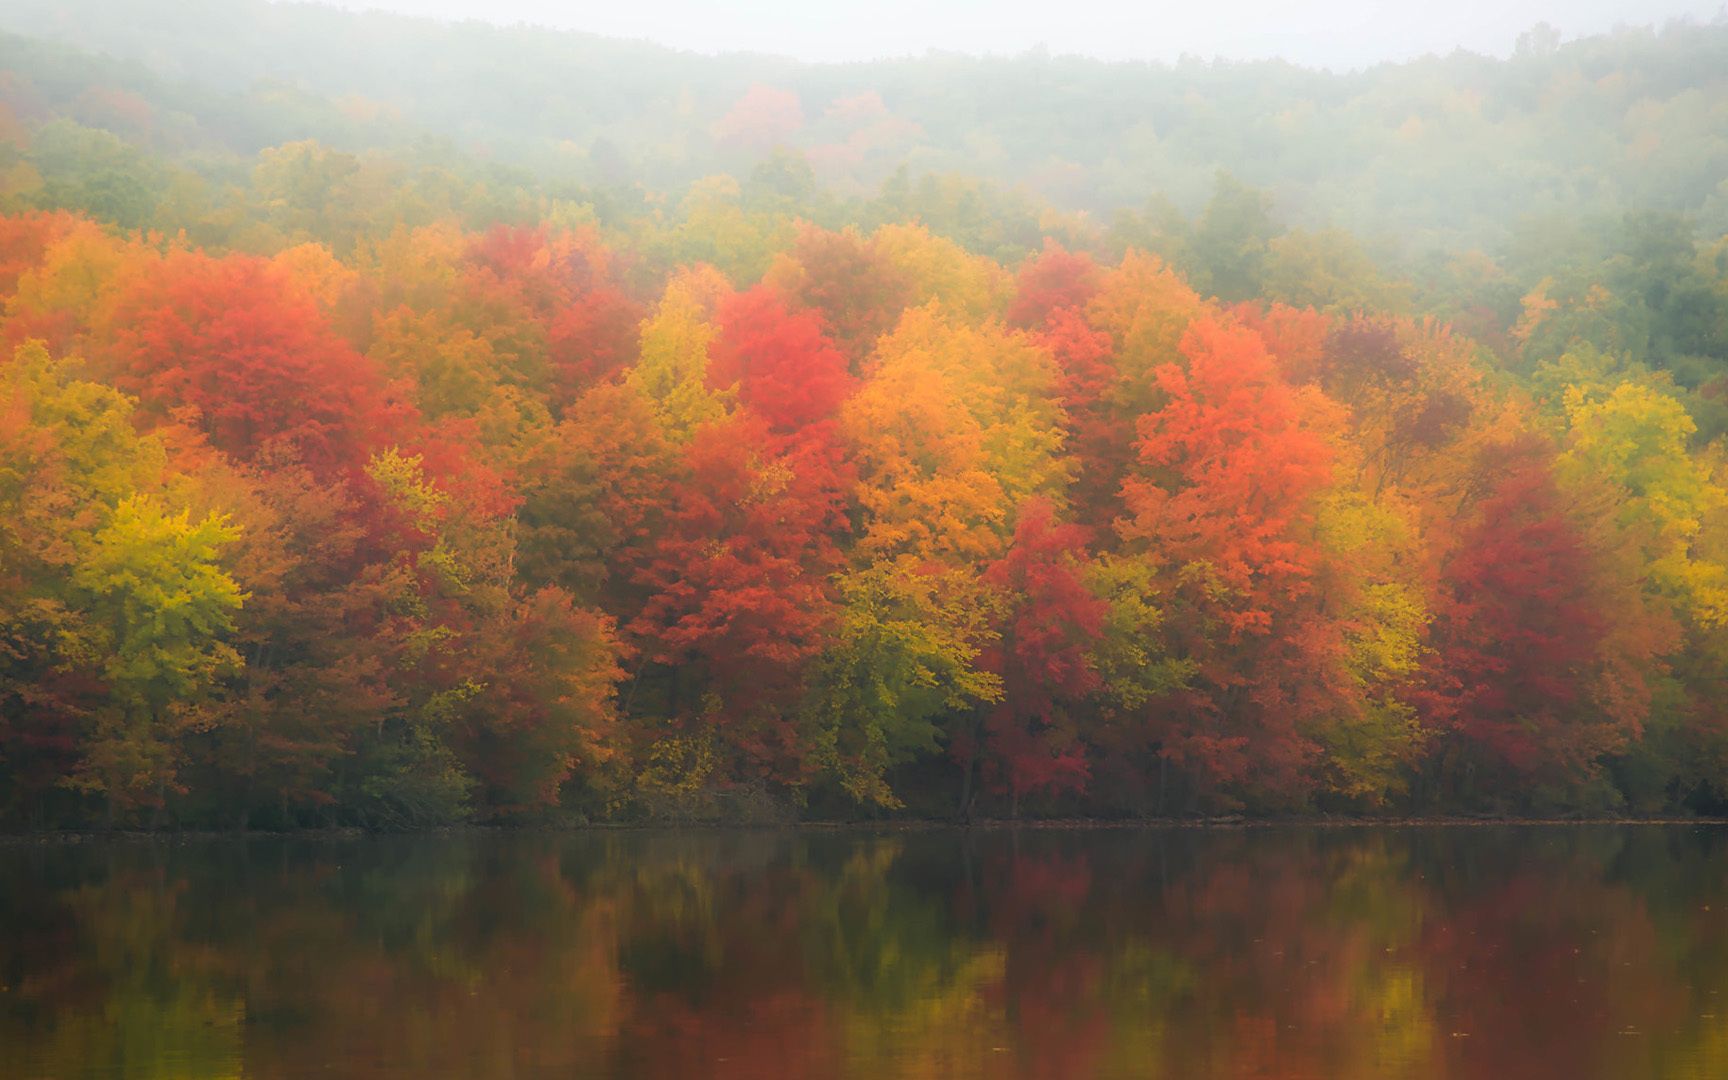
[[1323, 33]]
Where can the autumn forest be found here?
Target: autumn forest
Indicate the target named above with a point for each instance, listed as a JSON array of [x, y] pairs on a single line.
[[348, 482]]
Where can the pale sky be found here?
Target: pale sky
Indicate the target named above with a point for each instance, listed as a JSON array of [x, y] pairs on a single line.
[[1327, 33]]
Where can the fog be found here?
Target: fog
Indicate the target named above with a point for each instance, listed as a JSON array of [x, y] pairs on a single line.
[[1329, 33], [410, 422]]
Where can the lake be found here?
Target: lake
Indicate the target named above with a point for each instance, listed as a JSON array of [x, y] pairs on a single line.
[[1267, 952]]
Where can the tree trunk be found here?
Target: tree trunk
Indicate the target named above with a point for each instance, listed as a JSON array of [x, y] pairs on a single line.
[[968, 786]]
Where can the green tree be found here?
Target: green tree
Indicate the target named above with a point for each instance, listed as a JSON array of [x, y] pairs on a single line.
[[160, 606], [904, 655], [1231, 240], [94, 170]]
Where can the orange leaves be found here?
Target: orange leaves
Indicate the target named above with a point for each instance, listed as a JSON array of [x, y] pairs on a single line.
[[925, 484], [1225, 503], [1233, 461], [761, 118], [1296, 337], [25, 238]]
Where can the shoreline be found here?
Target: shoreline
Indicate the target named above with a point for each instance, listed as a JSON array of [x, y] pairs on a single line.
[[337, 833]]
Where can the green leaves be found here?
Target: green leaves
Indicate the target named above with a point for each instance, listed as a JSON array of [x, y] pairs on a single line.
[[158, 606], [904, 656], [1133, 668]]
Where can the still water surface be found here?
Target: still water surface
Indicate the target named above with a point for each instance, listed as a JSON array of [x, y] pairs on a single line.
[[1420, 952]]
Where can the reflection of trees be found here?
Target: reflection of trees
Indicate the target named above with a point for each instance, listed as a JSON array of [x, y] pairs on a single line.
[[1580, 952], [139, 1003], [914, 977], [1336, 953], [292, 959], [1294, 943]]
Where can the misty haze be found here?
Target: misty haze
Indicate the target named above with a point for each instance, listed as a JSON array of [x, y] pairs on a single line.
[[873, 540], [1326, 33]]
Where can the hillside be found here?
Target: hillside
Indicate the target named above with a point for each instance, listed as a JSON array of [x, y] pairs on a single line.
[[1449, 151]]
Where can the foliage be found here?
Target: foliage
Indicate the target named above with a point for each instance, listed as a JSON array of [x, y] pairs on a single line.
[[1285, 441]]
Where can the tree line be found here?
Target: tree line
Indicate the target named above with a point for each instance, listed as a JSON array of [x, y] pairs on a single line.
[[502, 524]]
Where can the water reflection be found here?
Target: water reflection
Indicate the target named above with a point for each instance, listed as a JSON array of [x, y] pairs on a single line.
[[1574, 952]]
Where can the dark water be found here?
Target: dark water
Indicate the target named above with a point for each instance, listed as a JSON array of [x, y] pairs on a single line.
[[1466, 952]]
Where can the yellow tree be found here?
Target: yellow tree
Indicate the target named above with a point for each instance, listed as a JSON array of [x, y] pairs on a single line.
[[69, 454], [672, 372], [955, 427], [160, 606], [1145, 308], [1635, 438], [939, 269]]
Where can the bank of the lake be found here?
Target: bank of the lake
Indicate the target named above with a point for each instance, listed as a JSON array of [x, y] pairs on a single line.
[[891, 825]]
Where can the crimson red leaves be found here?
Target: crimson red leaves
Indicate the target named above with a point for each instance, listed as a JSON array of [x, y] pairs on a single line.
[[256, 363]]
